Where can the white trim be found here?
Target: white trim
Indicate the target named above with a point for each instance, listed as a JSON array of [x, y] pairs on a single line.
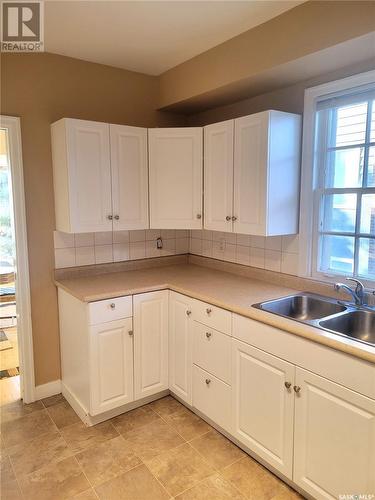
[[23, 304], [47, 390], [312, 95]]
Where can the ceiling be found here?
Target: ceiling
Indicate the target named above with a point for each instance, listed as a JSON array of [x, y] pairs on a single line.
[[150, 36]]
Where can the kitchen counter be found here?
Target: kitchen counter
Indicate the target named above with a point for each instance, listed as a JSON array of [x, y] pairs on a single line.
[[223, 289]]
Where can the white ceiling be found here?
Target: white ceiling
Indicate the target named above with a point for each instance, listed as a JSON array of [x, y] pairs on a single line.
[[150, 36]]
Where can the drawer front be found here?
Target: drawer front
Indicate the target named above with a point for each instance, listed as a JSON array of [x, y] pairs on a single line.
[[110, 310], [212, 351], [212, 397], [213, 316]]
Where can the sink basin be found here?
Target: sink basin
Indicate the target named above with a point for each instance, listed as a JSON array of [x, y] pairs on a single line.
[[359, 325], [302, 307]]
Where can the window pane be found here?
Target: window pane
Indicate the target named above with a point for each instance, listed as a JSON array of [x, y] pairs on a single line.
[[345, 168], [339, 212], [351, 124], [372, 133], [366, 264], [371, 167], [368, 214], [337, 254]]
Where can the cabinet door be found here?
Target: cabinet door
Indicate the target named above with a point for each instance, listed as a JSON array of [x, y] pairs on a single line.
[[218, 176], [89, 176], [263, 405], [129, 177], [175, 161], [150, 343], [334, 448], [111, 365], [250, 174], [180, 340]]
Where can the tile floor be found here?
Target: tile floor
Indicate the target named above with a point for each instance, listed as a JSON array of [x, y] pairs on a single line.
[[159, 451]]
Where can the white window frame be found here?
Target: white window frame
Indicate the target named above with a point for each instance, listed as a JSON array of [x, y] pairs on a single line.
[[309, 221]]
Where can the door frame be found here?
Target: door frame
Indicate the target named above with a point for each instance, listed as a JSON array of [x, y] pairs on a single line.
[[23, 301]]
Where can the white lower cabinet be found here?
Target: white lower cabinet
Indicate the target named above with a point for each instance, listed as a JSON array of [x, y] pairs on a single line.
[[263, 405], [111, 365], [334, 447], [150, 343], [180, 341]]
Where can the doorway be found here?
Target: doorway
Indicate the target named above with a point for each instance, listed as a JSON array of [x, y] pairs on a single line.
[[16, 354]]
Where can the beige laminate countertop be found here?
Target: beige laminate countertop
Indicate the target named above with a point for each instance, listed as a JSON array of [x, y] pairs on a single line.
[[223, 289]]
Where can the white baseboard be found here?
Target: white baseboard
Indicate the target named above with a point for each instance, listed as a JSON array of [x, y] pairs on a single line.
[[47, 390]]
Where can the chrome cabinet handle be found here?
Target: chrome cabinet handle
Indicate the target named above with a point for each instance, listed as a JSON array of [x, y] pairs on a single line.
[[131, 333], [234, 218], [199, 216], [208, 310], [188, 313], [208, 334], [297, 389], [117, 217], [109, 217], [228, 218], [288, 385], [112, 305], [208, 381]]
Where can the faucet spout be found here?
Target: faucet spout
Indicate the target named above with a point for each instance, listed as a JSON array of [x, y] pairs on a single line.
[[358, 294]]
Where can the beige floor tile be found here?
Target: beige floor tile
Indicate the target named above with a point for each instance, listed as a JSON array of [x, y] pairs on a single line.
[[9, 488], [187, 424], [254, 481], [153, 439], [165, 406], [18, 409], [217, 449], [179, 469], [287, 494], [107, 460], [134, 419], [28, 427], [137, 484], [56, 481], [86, 495], [63, 414], [79, 437], [213, 488], [53, 400], [36, 453]]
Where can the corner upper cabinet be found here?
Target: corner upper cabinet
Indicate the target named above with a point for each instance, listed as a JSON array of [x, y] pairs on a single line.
[[100, 176], [252, 167], [175, 182]]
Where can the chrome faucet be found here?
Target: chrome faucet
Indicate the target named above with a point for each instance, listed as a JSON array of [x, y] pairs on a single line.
[[358, 294]]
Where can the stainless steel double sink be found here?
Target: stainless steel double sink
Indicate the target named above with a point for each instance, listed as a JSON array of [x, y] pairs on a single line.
[[341, 318]]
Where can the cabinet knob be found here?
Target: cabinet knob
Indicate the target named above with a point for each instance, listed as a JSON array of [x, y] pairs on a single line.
[[228, 218], [208, 310], [208, 334], [208, 381], [288, 385], [109, 217], [234, 218], [117, 217], [297, 389], [199, 216], [188, 312], [131, 333], [112, 305]]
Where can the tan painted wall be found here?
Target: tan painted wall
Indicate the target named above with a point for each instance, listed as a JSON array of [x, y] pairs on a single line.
[[308, 28], [41, 88]]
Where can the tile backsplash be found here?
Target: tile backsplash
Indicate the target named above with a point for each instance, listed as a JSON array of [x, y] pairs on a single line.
[[274, 253], [82, 249]]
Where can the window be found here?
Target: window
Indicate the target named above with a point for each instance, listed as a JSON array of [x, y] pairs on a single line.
[[344, 194]]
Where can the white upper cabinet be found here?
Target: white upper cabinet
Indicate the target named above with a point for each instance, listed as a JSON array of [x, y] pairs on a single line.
[[175, 163], [266, 173], [252, 174], [82, 176], [100, 176], [218, 176], [129, 177]]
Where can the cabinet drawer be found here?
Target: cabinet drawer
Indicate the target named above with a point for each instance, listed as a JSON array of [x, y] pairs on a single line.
[[213, 316], [110, 310], [212, 397], [212, 351]]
